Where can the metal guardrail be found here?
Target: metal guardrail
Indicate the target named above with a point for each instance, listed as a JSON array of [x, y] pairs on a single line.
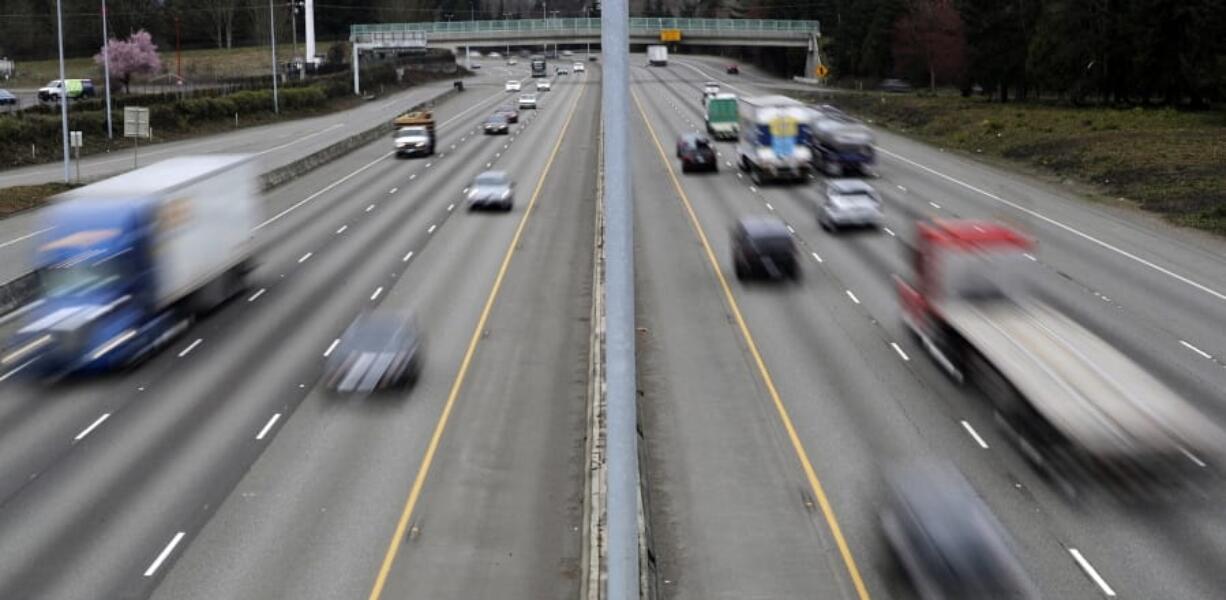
[[638, 24]]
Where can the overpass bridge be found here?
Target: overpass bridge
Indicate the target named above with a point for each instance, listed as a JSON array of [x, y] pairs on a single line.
[[643, 30]]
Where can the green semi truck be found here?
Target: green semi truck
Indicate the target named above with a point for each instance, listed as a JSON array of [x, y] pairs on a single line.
[[722, 116]]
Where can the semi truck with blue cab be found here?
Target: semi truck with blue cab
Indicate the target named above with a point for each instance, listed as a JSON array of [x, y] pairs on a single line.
[[127, 263], [841, 145]]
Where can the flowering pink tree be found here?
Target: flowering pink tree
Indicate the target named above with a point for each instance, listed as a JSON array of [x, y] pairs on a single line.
[[137, 54]]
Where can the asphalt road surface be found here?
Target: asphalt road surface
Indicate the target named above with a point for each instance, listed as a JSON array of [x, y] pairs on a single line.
[[223, 470], [728, 483]]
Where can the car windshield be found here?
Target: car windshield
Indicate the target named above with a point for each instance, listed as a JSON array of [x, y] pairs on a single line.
[[855, 197], [491, 180], [496, 119]]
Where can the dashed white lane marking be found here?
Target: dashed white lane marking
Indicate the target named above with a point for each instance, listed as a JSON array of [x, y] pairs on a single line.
[[818, 257], [769, 206], [393, 190], [1030, 256], [488, 164], [25, 237], [853, 297], [428, 165], [190, 347], [934, 204], [256, 295], [1091, 571], [1192, 457], [342, 229], [378, 291], [153, 568], [974, 434], [336, 342], [16, 370], [407, 256], [740, 175], [432, 228], [1196, 350], [304, 258], [1073, 230], [327, 188], [370, 208], [754, 189], [453, 146], [92, 426], [904, 190], [450, 207], [899, 350], [790, 230], [728, 164], [413, 176], [888, 230], [263, 432]]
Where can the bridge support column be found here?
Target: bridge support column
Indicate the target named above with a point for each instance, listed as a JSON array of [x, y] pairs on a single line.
[[812, 59]]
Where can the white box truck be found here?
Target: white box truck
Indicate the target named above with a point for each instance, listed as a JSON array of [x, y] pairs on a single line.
[[657, 56]]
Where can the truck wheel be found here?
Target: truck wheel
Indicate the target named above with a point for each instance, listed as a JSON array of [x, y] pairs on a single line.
[[743, 164], [755, 175]]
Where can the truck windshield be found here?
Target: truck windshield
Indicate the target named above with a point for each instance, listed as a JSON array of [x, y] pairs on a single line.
[[80, 279], [411, 131]]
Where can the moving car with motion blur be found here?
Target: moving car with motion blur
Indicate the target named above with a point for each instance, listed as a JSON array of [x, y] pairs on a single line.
[[579, 67], [562, 70], [495, 124], [849, 203], [732, 69], [946, 541], [709, 89], [510, 112], [513, 86], [696, 153], [544, 85], [762, 247], [527, 101], [7, 98], [414, 133], [379, 350], [492, 189]]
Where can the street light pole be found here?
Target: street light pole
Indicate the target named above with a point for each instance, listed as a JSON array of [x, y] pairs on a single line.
[[106, 72], [272, 36], [59, 18]]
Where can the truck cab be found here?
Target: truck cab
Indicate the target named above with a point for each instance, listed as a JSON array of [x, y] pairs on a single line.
[[414, 134], [774, 139]]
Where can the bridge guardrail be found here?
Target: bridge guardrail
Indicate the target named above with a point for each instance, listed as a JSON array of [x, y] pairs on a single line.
[[636, 24]]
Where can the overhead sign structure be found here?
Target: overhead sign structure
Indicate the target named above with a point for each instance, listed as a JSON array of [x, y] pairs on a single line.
[[670, 35]]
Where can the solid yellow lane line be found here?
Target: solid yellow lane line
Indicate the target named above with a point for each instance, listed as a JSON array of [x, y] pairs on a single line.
[[419, 482], [814, 483]]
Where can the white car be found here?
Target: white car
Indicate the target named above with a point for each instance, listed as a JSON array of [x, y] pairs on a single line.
[[544, 85], [579, 67], [850, 203], [494, 55], [513, 86], [527, 101], [710, 88], [567, 53], [512, 62]]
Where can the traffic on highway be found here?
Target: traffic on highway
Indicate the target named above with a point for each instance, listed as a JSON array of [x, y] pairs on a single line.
[[866, 366]]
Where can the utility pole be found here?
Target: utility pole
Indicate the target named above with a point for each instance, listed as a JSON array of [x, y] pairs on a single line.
[[178, 53], [106, 72], [309, 10], [272, 36], [59, 19]]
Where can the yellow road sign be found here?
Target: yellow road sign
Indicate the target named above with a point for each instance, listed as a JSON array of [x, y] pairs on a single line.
[[670, 35], [821, 71]]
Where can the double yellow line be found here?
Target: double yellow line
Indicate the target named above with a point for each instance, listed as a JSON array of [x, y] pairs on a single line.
[[814, 483], [432, 448]]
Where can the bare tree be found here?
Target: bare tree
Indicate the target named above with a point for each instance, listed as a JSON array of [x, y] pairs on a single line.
[[221, 15]]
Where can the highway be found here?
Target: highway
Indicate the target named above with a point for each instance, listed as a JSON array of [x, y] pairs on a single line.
[[728, 485], [222, 468]]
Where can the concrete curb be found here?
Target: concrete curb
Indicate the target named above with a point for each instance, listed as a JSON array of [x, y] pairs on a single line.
[[591, 586], [21, 290]]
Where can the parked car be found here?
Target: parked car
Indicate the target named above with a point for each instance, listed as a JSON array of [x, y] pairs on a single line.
[[894, 85], [544, 85], [7, 98], [491, 189], [527, 101], [850, 203], [378, 350], [762, 247], [695, 152], [945, 539], [496, 124], [513, 85], [510, 112], [732, 69]]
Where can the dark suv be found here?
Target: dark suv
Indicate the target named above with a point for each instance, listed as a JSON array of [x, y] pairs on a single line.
[[695, 152], [762, 247]]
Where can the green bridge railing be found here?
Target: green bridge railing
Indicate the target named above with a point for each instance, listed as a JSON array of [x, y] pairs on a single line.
[[637, 25]]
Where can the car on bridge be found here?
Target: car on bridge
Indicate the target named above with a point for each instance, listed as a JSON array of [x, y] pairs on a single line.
[[379, 350], [492, 189], [496, 124], [527, 101], [762, 247], [513, 85]]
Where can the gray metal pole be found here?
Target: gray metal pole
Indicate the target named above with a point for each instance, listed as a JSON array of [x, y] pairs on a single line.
[[357, 87], [59, 19], [272, 36], [623, 466], [106, 72]]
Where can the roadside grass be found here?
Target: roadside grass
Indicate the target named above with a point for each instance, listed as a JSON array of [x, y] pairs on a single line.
[[204, 64], [1167, 161], [25, 197]]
